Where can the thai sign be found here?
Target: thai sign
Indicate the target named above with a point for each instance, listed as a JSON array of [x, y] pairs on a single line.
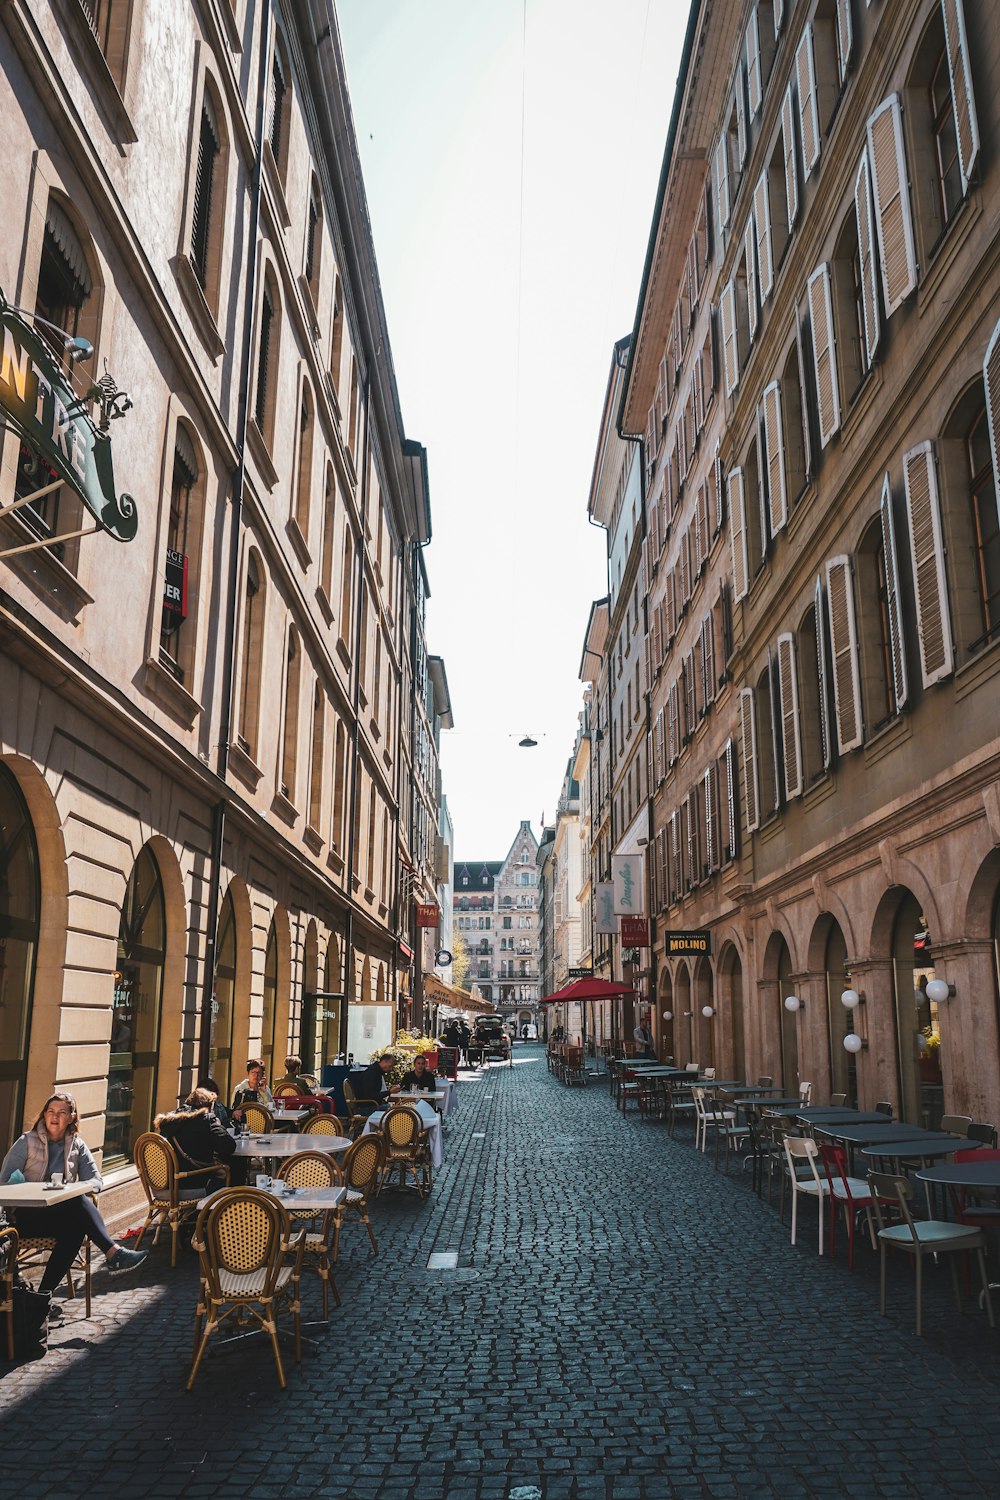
[[677, 944], [428, 913], [635, 932], [628, 879], [40, 404]]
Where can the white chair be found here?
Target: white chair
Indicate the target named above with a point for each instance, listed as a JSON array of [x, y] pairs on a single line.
[[805, 1093], [708, 1117], [802, 1154]]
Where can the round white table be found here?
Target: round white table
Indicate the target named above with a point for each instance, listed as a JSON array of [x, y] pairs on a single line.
[[287, 1144]]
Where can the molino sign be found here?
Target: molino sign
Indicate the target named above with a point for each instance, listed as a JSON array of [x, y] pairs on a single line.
[[677, 944], [47, 413]]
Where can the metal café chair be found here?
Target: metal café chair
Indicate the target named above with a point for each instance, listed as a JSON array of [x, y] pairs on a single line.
[[406, 1148], [315, 1169], [802, 1154], [257, 1119], [169, 1192], [324, 1125]]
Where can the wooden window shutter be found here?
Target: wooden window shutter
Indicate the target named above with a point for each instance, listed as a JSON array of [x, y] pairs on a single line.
[[690, 696], [887, 156], [708, 353], [697, 404], [683, 571], [659, 742], [822, 676], [730, 355], [845, 38], [867, 256], [263, 361], [804, 401], [719, 515], [691, 830], [669, 609], [894, 606], [676, 873], [750, 261], [741, 116], [991, 381], [730, 846], [204, 181], [708, 659], [748, 757], [673, 723], [704, 528], [711, 801], [844, 648], [927, 558], [722, 182], [755, 87], [805, 78], [824, 352], [738, 535], [789, 154], [962, 98], [762, 223], [726, 620], [773, 714], [774, 444], [791, 733]]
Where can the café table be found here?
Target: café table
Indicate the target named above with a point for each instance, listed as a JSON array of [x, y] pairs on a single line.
[[287, 1144], [289, 1116], [42, 1194], [438, 1098], [917, 1145], [771, 1106], [836, 1110], [829, 1120], [431, 1120], [966, 1174], [318, 1200]]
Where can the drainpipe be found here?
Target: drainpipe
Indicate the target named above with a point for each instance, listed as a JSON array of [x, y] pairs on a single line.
[[236, 522]]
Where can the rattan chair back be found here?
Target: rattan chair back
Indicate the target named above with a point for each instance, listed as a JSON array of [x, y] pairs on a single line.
[[362, 1160], [163, 1181], [286, 1091], [311, 1169], [323, 1125], [257, 1119], [158, 1167], [401, 1127]]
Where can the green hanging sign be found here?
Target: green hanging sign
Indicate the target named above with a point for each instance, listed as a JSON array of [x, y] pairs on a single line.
[[42, 407]]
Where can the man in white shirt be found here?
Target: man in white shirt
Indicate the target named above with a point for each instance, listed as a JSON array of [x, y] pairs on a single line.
[[643, 1037]]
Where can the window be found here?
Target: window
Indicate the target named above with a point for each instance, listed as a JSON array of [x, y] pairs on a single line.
[[251, 656], [20, 899], [347, 585], [942, 122], [279, 109], [207, 201], [316, 759], [329, 525], [109, 22], [268, 336], [844, 653], [824, 352], [135, 1038], [290, 728], [879, 620], [890, 196], [314, 239], [927, 561], [968, 483], [812, 677], [182, 527], [303, 478], [339, 789]]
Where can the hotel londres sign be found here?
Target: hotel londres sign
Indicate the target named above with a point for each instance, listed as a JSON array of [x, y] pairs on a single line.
[[40, 404]]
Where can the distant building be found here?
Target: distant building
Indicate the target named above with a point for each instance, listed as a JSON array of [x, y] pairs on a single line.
[[496, 913]]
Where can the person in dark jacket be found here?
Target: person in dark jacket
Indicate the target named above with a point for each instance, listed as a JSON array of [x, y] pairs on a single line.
[[197, 1136], [370, 1085], [419, 1076]]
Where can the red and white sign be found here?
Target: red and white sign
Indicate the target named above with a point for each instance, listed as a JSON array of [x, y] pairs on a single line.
[[428, 914], [635, 932]]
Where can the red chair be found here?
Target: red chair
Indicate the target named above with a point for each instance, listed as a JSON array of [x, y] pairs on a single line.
[[852, 1193], [980, 1215]]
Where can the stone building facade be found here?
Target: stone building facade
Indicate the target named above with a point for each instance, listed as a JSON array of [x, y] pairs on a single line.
[[496, 913], [815, 378], [203, 789]]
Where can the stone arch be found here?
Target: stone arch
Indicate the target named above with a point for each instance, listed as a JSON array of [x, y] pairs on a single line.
[[983, 889], [177, 1041], [729, 993], [665, 1030], [684, 1013], [365, 995], [704, 1027]]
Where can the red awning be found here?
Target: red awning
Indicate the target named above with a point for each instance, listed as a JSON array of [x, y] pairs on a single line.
[[588, 989]]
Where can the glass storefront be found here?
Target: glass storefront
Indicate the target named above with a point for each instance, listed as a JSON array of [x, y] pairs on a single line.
[[19, 904], [135, 1025], [220, 1049]]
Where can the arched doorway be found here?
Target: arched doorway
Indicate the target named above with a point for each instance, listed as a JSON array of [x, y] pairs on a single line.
[[135, 1023], [329, 1010], [920, 1035], [685, 1032], [20, 901], [270, 1002], [839, 1019], [779, 962], [705, 1026], [220, 1048], [729, 990], [667, 1018]]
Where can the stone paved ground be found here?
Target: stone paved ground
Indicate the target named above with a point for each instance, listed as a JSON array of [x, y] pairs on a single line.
[[625, 1324]]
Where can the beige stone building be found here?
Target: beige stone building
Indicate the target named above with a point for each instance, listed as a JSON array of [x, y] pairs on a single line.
[[204, 731], [814, 373]]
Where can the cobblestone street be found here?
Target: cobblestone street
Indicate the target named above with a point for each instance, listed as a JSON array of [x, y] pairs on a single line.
[[624, 1323]]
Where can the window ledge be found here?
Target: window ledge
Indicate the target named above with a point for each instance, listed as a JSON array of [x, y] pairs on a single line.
[[285, 808], [369, 895], [885, 739], [331, 391], [314, 839], [86, 49], [941, 257], [309, 303], [244, 766], [343, 652], [376, 732], [273, 178], [865, 395], [335, 861], [299, 544], [42, 571], [819, 791], [196, 303], [979, 669], [325, 607], [162, 686], [260, 455]]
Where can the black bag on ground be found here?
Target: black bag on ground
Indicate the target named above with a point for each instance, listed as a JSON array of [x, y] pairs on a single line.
[[31, 1322]]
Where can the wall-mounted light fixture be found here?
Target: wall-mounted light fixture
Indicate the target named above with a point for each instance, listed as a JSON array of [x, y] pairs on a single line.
[[708, 1011], [668, 1015], [793, 1003], [851, 999], [853, 1042], [939, 990]]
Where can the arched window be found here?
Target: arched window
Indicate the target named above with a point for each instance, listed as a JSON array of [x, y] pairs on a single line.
[[290, 730], [969, 496], [251, 656], [268, 341], [316, 759], [181, 565], [329, 527], [347, 586], [941, 115], [875, 639], [209, 197], [220, 1052], [20, 897], [339, 778], [330, 1005], [303, 480], [337, 337], [270, 998], [279, 107], [314, 240], [135, 1027]]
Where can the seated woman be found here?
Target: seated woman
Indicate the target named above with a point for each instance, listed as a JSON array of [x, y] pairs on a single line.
[[419, 1076], [199, 1139], [294, 1077], [54, 1144], [253, 1089]]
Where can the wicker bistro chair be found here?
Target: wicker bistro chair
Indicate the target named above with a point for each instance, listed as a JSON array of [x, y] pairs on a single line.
[[8, 1261], [250, 1264], [361, 1166], [407, 1147], [32, 1254], [312, 1169], [172, 1194], [257, 1119], [323, 1125], [358, 1110], [285, 1091]]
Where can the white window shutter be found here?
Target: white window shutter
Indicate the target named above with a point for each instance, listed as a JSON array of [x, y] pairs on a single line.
[[673, 723], [867, 257], [774, 443], [930, 584], [676, 872], [991, 381], [710, 796], [729, 852], [800, 363], [844, 647], [730, 354], [962, 97], [750, 261], [755, 87], [720, 499], [823, 690], [741, 116], [722, 182], [887, 156], [660, 748], [708, 658], [845, 38], [824, 352], [738, 535], [789, 156], [791, 733], [762, 225], [704, 532], [894, 608], [748, 757], [805, 78]]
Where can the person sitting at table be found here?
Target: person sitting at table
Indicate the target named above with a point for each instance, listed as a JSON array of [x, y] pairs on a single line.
[[419, 1076], [294, 1077], [54, 1145], [199, 1139], [369, 1086], [220, 1111], [253, 1089]]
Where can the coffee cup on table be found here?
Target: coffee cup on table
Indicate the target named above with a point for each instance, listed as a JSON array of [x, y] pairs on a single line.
[[263, 1181], [57, 1181]]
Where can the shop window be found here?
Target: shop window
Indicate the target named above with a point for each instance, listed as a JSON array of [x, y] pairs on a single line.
[[135, 1025], [20, 897], [251, 656], [220, 1046]]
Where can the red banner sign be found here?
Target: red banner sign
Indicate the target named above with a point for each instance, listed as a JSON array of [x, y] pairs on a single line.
[[635, 932], [428, 914]]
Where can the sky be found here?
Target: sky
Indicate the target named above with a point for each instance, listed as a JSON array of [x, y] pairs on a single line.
[[511, 151]]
